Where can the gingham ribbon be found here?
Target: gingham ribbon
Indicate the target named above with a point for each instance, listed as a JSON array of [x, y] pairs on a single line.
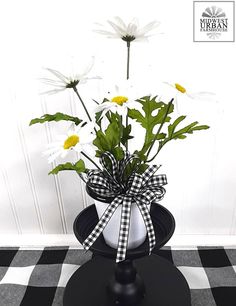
[[142, 190]]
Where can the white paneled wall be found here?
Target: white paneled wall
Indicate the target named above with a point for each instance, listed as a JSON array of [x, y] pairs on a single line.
[[201, 170]]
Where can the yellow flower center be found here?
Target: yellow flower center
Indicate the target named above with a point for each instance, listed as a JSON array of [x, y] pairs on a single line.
[[71, 141], [180, 88], [120, 100]]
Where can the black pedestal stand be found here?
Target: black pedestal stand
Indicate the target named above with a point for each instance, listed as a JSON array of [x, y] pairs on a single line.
[[137, 281], [126, 287]]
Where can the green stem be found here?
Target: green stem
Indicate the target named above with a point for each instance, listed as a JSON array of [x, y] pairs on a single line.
[[128, 59], [90, 159], [127, 77], [120, 126], [160, 127], [159, 149], [126, 124], [82, 102]]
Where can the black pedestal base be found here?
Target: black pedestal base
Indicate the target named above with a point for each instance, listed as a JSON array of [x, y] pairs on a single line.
[[164, 284], [126, 286]]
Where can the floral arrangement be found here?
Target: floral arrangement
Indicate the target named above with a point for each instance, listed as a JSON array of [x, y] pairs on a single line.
[[109, 129]]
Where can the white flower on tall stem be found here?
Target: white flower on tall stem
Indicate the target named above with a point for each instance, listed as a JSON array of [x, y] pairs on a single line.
[[61, 82], [130, 31], [77, 139], [119, 99]]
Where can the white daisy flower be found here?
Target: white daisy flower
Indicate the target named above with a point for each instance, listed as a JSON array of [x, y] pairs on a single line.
[[61, 82], [76, 139], [128, 32], [196, 95], [178, 91], [120, 99]]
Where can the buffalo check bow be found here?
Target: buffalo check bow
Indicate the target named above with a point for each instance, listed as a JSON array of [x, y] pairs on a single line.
[[142, 190]]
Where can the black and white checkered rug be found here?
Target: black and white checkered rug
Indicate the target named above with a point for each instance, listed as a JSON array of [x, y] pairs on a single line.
[[37, 277]]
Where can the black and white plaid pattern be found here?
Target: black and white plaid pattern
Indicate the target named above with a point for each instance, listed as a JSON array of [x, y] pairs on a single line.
[[113, 172], [102, 222], [102, 185], [143, 190], [124, 228], [37, 277], [148, 222]]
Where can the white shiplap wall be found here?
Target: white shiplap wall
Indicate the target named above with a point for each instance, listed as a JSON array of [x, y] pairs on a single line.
[[201, 170]]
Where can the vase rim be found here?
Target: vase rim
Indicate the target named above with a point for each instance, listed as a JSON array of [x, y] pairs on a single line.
[[97, 197]]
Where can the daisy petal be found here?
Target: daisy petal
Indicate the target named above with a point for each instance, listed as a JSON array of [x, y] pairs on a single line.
[[102, 106], [130, 32], [88, 68], [63, 82], [132, 29], [109, 34], [120, 22], [53, 157], [50, 151], [149, 27], [53, 83], [121, 32], [201, 95], [58, 74], [64, 153], [52, 92]]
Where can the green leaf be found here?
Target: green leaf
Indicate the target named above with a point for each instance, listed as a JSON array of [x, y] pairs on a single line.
[[186, 129], [118, 153], [135, 114], [172, 126], [200, 127], [132, 166], [148, 105], [78, 167], [142, 168], [126, 134], [109, 140], [113, 135], [98, 153], [55, 117], [180, 137], [181, 134], [98, 118], [101, 142], [140, 155], [148, 121], [161, 136]]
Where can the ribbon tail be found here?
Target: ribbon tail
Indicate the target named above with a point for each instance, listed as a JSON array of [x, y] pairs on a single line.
[[102, 223], [148, 223], [124, 229]]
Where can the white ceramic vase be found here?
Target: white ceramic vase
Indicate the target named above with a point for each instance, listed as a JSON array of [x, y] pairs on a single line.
[[137, 231]]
